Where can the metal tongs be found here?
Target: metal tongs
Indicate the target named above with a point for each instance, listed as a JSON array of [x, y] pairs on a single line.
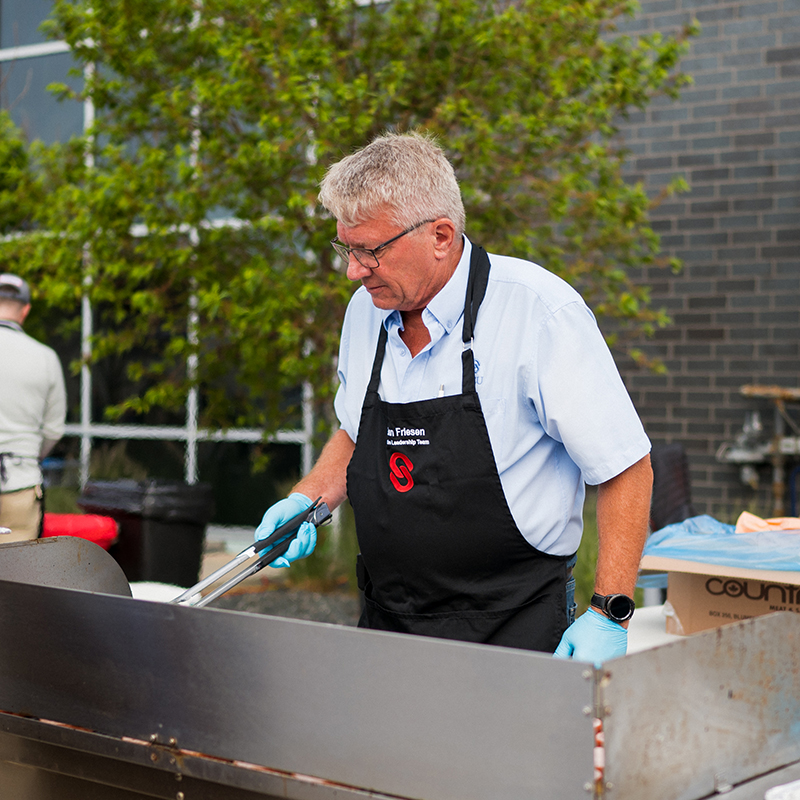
[[317, 514]]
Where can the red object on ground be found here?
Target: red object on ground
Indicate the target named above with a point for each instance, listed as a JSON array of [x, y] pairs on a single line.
[[98, 529]]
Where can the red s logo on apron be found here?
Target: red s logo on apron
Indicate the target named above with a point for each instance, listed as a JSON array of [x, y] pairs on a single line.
[[400, 467]]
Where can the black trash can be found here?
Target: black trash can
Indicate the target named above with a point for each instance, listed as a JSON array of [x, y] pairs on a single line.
[[161, 526]]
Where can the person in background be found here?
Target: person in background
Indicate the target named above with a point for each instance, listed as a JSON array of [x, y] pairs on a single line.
[[477, 397], [32, 413]]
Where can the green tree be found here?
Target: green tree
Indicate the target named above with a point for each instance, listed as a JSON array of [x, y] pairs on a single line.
[[215, 122], [16, 201]]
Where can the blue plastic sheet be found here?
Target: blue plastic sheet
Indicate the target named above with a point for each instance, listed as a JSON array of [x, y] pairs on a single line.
[[709, 541]]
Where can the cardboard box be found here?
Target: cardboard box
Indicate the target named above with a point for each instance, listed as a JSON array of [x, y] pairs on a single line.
[[703, 596]]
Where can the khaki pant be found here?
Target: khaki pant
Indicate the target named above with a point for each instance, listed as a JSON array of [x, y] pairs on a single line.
[[22, 512]]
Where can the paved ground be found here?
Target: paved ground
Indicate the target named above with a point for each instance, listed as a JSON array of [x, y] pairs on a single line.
[[338, 608]]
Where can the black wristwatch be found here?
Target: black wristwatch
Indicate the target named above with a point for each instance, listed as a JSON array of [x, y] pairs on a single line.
[[617, 607]]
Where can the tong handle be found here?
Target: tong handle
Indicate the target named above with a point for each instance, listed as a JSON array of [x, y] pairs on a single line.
[[311, 514]]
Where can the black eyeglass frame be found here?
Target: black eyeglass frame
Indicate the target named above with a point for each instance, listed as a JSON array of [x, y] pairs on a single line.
[[344, 251]]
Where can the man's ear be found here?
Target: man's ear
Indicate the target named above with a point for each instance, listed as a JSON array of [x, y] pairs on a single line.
[[23, 313], [445, 232]]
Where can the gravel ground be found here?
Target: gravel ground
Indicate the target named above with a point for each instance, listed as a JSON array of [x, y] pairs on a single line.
[[339, 608]]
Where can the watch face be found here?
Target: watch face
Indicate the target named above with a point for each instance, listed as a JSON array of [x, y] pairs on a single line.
[[619, 607]]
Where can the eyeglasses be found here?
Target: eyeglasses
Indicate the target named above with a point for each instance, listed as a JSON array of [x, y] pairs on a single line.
[[369, 258]]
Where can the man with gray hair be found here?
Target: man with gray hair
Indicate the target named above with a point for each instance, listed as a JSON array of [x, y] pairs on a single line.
[[477, 397], [32, 412]]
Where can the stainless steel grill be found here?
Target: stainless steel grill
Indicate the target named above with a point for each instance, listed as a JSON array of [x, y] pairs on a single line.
[[104, 696]]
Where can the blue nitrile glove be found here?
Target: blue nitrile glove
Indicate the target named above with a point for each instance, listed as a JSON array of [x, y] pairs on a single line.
[[593, 637], [282, 511]]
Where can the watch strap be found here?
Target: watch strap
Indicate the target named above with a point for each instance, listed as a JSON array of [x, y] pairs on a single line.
[[603, 601], [598, 601]]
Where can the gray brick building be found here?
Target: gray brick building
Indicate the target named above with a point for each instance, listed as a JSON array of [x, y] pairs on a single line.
[[734, 135]]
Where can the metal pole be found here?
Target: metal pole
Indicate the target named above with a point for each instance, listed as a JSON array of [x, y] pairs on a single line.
[[778, 471], [307, 448], [86, 386], [86, 309], [192, 322], [192, 398]]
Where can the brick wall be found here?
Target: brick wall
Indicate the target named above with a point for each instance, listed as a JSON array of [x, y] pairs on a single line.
[[735, 137]]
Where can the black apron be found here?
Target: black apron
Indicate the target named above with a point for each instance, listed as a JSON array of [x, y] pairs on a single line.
[[441, 554]]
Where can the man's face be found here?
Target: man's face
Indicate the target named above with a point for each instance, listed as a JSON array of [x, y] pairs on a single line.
[[410, 273]]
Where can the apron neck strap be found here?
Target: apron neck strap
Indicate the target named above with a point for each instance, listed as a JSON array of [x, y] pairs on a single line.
[[375, 380], [476, 289]]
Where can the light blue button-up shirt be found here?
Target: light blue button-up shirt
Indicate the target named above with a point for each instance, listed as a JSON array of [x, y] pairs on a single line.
[[557, 412]]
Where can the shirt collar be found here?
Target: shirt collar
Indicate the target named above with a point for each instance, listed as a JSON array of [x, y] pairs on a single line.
[[447, 307], [8, 323]]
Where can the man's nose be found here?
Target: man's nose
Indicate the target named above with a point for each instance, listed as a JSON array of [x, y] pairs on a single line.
[[356, 271]]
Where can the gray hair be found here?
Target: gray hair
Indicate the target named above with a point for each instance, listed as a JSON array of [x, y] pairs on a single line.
[[406, 176]]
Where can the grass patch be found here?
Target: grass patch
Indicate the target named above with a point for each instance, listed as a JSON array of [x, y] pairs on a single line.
[[61, 500]]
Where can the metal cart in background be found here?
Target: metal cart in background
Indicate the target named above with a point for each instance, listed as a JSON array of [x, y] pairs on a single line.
[[753, 447]]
